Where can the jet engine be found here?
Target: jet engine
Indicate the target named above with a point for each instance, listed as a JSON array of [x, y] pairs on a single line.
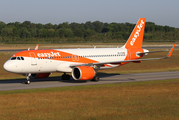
[[83, 73], [39, 75]]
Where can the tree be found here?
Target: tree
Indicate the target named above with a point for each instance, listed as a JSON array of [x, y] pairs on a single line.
[[79, 32], [39, 26], [98, 26], [55, 26], [89, 25], [33, 25], [25, 34], [113, 27], [168, 29], [15, 31], [149, 27], [125, 35], [17, 25], [74, 26], [159, 28], [40, 33], [34, 32], [65, 32], [118, 35], [88, 33], [2, 25], [6, 32], [65, 25], [51, 33], [26, 24], [48, 26], [44, 32]]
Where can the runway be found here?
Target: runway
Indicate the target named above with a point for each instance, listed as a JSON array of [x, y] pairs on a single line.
[[104, 79]]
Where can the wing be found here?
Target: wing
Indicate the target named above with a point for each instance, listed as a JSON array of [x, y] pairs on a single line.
[[136, 60]]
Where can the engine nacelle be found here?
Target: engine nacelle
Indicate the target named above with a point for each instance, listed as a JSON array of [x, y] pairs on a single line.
[[83, 73], [39, 75]]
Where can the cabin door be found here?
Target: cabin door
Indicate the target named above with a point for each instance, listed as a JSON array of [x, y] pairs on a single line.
[[33, 58]]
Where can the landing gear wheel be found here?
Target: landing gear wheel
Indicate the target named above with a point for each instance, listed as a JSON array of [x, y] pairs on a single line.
[[27, 81], [96, 79], [65, 77]]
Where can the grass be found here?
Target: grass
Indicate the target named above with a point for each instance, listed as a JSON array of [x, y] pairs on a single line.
[[138, 100]]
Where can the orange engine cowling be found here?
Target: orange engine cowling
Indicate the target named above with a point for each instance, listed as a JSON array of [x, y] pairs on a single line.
[[40, 75], [83, 73]]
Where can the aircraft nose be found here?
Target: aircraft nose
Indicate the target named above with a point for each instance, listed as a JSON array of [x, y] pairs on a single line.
[[7, 66]]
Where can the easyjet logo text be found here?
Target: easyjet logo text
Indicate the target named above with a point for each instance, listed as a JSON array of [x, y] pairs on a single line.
[[139, 27], [51, 54]]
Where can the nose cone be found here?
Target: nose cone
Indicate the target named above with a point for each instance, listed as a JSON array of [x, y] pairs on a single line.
[[7, 66]]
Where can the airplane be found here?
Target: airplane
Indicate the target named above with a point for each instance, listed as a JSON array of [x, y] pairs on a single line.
[[83, 64]]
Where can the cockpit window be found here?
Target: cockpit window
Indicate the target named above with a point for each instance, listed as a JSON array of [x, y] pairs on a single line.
[[17, 58], [13, 58]]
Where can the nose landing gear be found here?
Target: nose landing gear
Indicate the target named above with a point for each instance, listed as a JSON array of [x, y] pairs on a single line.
[[27, 81]]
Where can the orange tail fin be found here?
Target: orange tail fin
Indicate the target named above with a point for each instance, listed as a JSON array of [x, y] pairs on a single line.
[[136, 38]]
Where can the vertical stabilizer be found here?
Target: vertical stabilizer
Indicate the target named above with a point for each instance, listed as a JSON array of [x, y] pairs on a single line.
[[136, 38]]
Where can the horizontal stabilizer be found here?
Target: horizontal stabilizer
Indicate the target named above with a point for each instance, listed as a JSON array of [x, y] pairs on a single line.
[[144, 53]]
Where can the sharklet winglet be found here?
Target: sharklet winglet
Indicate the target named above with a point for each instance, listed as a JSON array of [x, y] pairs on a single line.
[[37, 47], [171, 51]]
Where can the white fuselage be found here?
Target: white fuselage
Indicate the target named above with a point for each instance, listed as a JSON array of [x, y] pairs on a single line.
[[42, 64]]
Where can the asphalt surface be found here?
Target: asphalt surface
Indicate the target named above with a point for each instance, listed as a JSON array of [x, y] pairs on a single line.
[[104, 79]]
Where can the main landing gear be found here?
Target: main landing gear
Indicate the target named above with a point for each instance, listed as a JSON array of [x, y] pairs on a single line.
[[65, 77], [27, 81], [95, 79]]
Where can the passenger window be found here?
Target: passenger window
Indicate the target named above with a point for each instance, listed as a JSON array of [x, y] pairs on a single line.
[[22, 58]]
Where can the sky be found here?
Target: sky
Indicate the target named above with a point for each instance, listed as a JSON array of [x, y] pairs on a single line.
[[161, 12]]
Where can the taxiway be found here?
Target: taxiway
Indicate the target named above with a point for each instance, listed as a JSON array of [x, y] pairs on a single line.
[[104, 79]]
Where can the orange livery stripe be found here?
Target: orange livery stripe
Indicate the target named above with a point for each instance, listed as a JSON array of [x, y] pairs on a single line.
[[54, 55]]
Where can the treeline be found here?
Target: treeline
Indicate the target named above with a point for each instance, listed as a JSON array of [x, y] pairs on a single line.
[[97, 31]]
